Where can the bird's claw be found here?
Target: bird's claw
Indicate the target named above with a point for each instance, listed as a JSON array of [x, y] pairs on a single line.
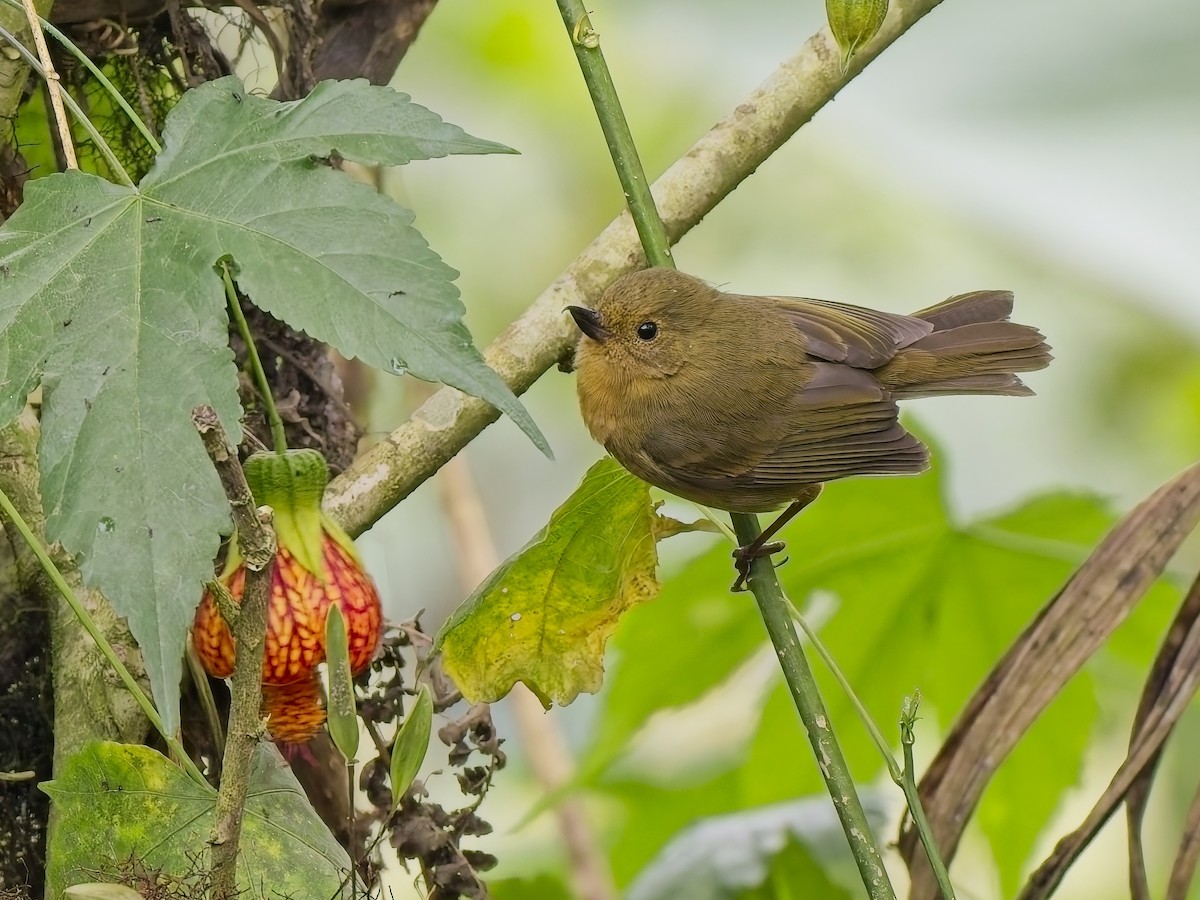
[[744, 556]]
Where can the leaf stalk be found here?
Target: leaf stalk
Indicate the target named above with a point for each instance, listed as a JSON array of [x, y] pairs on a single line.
[[278, 436]]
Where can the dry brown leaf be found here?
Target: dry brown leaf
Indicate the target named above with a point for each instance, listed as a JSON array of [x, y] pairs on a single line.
[[1189, 852], [1169, 689], [1067, 631], [1139, 791]]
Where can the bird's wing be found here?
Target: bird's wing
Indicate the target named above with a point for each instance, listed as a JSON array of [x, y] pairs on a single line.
[[841, 333], [840, 423]]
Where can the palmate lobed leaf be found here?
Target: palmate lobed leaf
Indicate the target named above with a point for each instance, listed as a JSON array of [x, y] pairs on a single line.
[[109, 298], [544, 616], [119, 803]]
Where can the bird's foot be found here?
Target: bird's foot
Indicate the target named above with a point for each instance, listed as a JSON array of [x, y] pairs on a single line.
[[744, 556]]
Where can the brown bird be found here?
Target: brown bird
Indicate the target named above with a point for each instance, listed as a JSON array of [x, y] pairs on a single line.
[[749, 403]]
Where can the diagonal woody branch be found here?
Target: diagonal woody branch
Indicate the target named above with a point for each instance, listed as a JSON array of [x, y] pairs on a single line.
[[542, 336]]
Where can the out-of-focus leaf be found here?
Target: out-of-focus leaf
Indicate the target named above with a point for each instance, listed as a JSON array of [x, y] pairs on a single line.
[[117, 802], [758, 854], [342, 710], [543, 887], [796, 875], [544, 616], [109, 299], [411, 744]]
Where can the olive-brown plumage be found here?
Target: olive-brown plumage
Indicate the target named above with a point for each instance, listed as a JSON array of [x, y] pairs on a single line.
[[750, 403]]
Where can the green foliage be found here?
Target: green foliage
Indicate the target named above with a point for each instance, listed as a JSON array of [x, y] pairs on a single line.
[[920, 601], [121, 802], [110, 299], [544, 616]]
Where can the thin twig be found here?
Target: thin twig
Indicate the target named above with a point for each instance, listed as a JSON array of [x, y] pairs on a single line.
[[53, 84], [541, 740], [256, 543], [105, 149], [586, 42], [906, 779], [716, 164]]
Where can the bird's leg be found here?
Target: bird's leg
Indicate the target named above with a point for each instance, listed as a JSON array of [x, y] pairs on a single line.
[[763, 545]]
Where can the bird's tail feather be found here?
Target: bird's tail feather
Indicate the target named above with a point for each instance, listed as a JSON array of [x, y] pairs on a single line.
[[973, 349]]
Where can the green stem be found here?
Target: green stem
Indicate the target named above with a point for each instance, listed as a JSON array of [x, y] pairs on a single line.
[[909, 783], [906, 779], [872, 729], [97, 635], [256, 369], [772, 604], [98, 139], [586, 42], [776, 615]]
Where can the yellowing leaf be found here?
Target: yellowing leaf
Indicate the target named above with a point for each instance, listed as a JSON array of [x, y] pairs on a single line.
[[544, 616], [117, 802]]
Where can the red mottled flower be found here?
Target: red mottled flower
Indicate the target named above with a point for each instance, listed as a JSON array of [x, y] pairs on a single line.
[[315, 565]]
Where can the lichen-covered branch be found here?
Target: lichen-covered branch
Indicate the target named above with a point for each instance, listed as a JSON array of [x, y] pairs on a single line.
[[689, 190]]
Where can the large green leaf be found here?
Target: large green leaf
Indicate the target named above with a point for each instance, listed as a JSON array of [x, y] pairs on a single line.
[[544, 616], [109, 297], [122, 802]]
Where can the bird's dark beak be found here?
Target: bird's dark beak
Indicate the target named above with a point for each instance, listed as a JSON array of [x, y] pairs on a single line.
[[588, 321]]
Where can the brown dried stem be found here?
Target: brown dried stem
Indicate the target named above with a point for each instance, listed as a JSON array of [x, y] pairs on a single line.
[[256, 543]]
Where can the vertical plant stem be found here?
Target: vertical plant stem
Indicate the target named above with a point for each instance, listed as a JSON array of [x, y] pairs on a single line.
[[776, 615], [772, 605], [906, 779], [586, 42], [907, 718], [97, 635], [53, 85], [256, 543], [278, 437]]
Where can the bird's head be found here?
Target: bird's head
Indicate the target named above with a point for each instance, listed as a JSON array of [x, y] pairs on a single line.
[[647, 324]]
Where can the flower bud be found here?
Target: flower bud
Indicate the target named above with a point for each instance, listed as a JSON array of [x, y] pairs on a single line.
[[315, 566], [853, 23]]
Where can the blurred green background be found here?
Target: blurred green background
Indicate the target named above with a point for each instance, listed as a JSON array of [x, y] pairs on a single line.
[[1044, 147]]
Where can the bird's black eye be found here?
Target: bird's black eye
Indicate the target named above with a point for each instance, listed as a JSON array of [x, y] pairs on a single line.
[[647, 331]]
